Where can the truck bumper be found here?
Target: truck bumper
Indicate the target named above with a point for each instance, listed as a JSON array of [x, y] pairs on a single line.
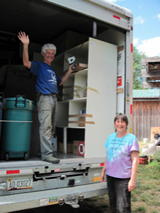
[[11, 203]]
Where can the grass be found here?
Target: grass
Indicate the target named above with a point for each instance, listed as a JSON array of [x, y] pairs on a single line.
[[146, 198]]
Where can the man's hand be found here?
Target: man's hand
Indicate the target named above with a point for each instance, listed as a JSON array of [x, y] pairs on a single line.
[[72, 68], [23, 38], [25, 41]]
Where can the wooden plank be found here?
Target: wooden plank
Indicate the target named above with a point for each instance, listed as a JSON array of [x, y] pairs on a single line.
[[81, 122], [156, 114], [148, 110], [79, 67], [158, 110], [120, 90], [144, 120], [121, 48], [134, 118], [148, 114], [137, 121], [81, 115], [149, 118], [141, 121]]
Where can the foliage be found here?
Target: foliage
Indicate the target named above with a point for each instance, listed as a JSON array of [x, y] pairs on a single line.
[[157, 156], [137, 57]]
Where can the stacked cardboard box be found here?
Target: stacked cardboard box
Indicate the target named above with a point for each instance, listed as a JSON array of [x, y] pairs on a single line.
[[79, 148], [69, 147]]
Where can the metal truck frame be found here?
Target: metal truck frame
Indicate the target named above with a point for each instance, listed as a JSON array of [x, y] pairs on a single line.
[[107, 31]]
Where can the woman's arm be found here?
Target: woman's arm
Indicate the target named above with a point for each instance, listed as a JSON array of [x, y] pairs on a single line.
[[134, 158], [102, 179]]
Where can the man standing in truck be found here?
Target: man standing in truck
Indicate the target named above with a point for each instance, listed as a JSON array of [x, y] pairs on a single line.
[[46, 86]]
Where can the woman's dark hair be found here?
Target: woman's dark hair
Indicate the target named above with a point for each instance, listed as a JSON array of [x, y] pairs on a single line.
[[123, 117]]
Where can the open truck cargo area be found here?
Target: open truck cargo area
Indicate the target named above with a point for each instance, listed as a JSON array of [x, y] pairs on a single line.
[[100, 87]]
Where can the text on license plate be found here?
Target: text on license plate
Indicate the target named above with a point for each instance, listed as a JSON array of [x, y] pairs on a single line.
[[19, 183]]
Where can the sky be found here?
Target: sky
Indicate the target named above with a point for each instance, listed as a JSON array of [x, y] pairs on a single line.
[[146, 24]]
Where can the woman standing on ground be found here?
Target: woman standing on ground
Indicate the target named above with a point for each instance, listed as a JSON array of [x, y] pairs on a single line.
[[120, 166]]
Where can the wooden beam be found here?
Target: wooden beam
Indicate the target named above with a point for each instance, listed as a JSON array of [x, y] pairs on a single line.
[[120, 48], [81, 115], [81, 122], [120, 90]]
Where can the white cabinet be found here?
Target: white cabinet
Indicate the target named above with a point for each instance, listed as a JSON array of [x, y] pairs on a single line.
[[75, 85], [100, 78]]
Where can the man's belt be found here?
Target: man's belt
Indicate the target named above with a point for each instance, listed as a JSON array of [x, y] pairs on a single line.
[[39, 94]]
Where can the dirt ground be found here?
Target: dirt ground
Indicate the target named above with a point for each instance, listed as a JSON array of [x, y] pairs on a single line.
[[94, 205]]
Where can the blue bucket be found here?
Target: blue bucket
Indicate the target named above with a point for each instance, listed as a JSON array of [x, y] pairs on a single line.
[[17, 124]]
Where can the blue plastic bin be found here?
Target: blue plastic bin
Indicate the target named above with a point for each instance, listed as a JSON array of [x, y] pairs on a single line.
[[17, 124]]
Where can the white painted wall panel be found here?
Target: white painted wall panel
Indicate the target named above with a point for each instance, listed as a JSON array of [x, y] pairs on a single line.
[[102, 76]]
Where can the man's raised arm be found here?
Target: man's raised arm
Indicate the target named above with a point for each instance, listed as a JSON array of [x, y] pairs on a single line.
[[25, 56]]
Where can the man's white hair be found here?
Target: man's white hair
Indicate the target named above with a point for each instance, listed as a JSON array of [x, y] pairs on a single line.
[[48, 47]]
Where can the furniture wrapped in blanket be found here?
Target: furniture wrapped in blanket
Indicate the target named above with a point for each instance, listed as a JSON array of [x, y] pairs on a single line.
[[17, 80]]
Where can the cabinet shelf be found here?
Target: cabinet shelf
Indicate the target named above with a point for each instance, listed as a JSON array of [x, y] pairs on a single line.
[[80, 72], [75, 85], [70, 127]]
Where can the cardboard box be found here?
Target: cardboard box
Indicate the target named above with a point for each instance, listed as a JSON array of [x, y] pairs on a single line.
[[69, 147], [79, 148], [82, 119]]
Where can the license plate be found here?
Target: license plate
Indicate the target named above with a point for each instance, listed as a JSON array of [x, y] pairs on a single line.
[[19, 183]]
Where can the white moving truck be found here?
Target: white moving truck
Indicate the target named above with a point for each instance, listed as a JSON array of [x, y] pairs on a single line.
[[99, 35]]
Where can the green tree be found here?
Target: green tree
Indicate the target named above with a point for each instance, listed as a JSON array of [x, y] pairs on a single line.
[[137, 79]]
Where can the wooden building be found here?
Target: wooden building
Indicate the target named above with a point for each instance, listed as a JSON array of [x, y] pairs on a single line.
[[146, 112]]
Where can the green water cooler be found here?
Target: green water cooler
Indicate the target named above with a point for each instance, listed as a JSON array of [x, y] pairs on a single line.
[[16, 128]]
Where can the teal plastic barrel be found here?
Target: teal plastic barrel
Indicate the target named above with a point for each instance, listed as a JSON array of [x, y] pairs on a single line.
[[1, 107], [16, 128]]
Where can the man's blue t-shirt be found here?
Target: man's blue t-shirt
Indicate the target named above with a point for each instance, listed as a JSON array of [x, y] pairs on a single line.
[[46, 78], [118, 162]]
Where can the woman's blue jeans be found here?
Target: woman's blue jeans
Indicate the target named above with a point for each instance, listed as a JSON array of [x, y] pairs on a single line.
[[119, 196], [47, 107]]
